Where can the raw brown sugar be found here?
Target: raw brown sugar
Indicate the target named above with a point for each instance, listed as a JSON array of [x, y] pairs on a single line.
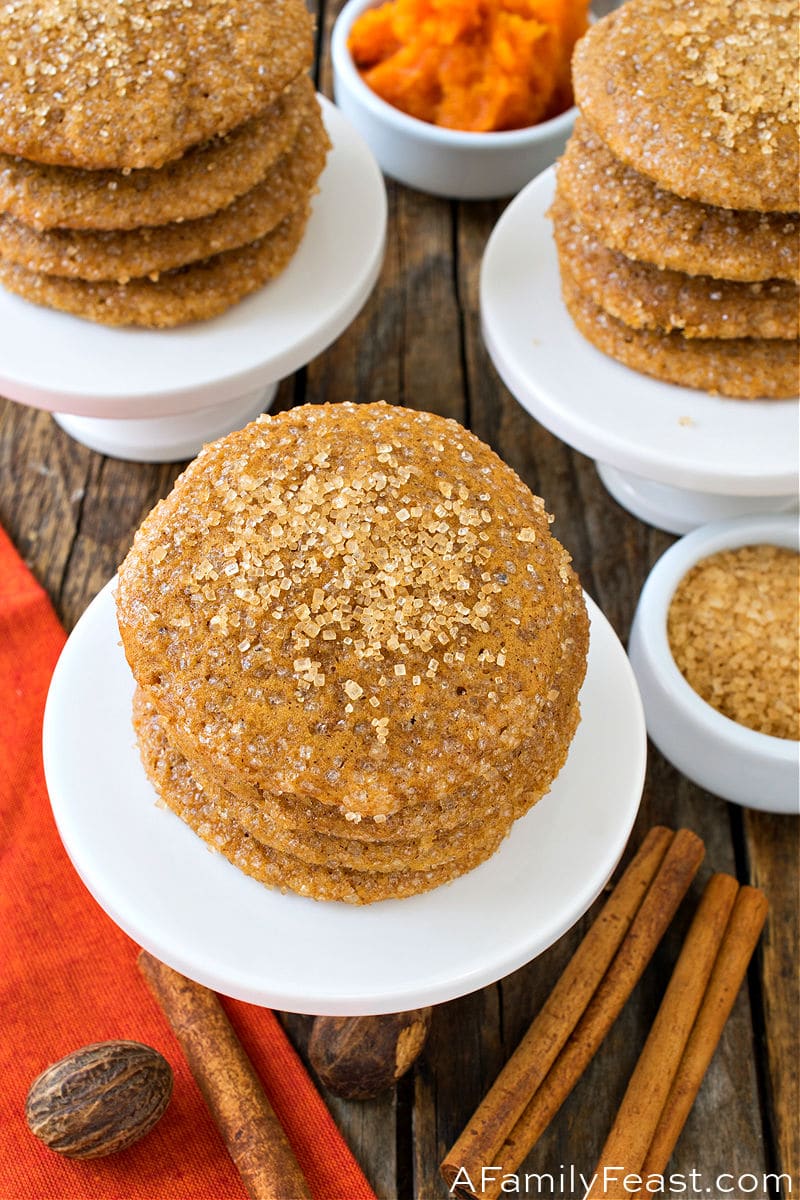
[[733, 631]]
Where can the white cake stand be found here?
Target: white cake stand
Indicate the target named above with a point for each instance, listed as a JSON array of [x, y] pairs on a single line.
[[195, 911], [674, 456], [159, 395]]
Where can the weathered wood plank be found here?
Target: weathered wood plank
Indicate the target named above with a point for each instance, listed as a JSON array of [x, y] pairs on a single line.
[[773, 851], [368, 1126], [44, 479], [463, 1050]]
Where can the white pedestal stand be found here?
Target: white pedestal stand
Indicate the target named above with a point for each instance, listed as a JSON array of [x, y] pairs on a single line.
[[159, 395], [195, 911], [166, 439], [674, 456], [679, 510]]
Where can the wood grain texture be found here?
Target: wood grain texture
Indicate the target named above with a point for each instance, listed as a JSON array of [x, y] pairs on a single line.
[[72, 513], [773, 849]]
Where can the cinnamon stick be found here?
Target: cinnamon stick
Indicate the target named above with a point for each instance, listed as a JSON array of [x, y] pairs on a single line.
[[250, 1130], [738, 944], [677, 869], [539, 1048], [640, 1110]]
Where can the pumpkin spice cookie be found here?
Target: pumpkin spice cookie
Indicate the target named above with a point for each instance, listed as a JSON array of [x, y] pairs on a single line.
[[205, 179], [742, 368], [631, 214], [126, 86], [645, 297], [134, 253], [305, 841], [193, 293], [172, 779], [368, 681], [700, 97], [355, 613], [504, 789]]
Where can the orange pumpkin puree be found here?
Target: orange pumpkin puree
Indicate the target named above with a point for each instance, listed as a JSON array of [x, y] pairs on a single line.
[[471, 64]]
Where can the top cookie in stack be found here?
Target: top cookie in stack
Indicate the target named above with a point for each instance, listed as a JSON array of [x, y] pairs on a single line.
[[156, 159], [676, 212]]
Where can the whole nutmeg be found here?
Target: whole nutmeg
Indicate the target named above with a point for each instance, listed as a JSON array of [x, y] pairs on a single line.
[[99, 1099], [360, 1057]]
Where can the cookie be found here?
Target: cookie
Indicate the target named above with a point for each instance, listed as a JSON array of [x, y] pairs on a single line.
[[173, 782], [505, 788], [194, 293], [353, 603], [629, 213], [358, 650], [134, 253], [742, 368], [205, 179], [645, 297], [305, 842], [125, 86], [700, 97]]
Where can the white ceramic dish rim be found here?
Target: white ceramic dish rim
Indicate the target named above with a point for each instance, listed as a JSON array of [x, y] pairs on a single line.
[[437, 914], [435, 135], [656, 598]]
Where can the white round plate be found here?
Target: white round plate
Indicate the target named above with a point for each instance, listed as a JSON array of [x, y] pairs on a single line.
[[673, 435], [55, 361], [195, 911]]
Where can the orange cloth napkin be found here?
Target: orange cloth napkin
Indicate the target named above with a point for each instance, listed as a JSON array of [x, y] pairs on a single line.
[[69, 977]]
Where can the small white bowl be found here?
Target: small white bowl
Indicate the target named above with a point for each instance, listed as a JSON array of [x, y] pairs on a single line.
[[737, 763], [444, 162]]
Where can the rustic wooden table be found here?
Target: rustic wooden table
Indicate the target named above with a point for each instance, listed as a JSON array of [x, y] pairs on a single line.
[[72, 513]]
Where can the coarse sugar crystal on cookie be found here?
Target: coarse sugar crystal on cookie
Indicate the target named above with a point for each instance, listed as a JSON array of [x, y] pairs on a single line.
[[102, 85], [134, 253], [700, 96], [631, 214], [740, 368], [206, 178], [193, 293], [646, 297], [356, 603]]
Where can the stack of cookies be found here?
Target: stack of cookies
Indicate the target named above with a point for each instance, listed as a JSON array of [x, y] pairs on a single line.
[[358, 650], [676, 217], [157, 159]]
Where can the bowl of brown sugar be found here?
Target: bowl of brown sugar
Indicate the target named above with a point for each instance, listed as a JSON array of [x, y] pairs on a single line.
[[714, 646]]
